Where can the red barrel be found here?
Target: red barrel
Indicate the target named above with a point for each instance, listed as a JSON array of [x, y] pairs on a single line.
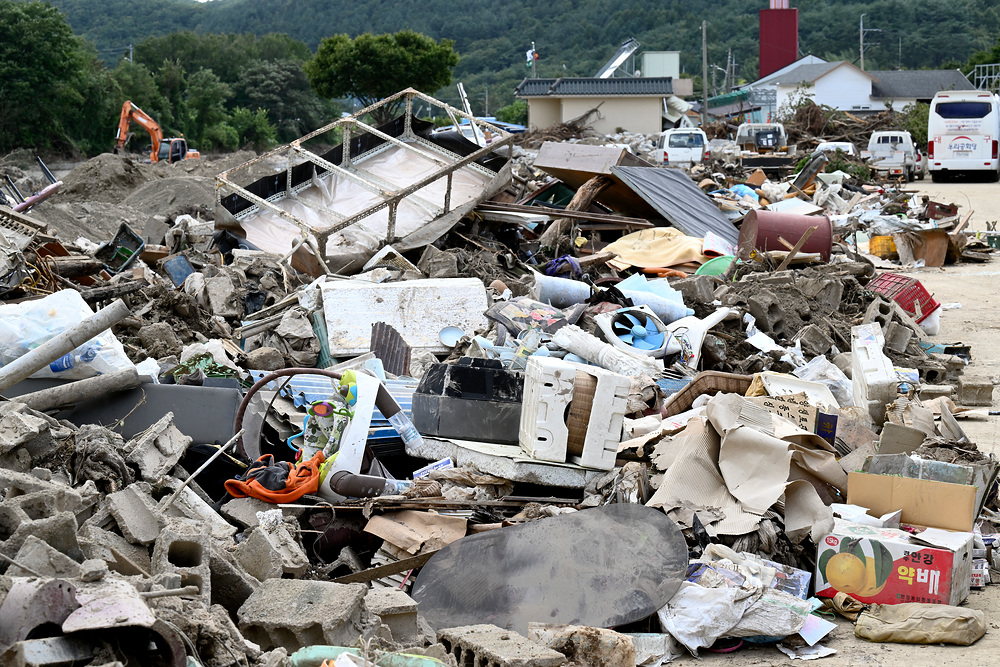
[[761, 229]]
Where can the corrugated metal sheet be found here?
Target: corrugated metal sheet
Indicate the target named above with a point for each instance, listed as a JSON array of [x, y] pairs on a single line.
[[675, 196], [658, 86]]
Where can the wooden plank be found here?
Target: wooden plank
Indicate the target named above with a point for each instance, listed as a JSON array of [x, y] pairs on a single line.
[[373, 573]]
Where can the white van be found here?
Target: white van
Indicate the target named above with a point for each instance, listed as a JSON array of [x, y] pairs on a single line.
[[683, 147], [893, 153], [963, 128]]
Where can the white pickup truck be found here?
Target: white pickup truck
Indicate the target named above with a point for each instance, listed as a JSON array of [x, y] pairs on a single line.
[[892, 153]]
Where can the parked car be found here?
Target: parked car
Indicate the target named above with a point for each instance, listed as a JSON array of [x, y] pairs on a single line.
[[834, 146], [683, 147]]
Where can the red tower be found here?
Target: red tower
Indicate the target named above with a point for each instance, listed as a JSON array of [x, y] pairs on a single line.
[[779, 37]]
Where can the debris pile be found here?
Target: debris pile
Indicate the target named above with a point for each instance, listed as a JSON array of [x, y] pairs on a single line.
[[471, 403]]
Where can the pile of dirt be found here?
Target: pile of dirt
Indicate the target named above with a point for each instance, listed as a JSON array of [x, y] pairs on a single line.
[[171, 197], [105, 178]]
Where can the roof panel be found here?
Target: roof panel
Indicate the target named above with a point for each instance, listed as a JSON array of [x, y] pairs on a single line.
[[652, 86]]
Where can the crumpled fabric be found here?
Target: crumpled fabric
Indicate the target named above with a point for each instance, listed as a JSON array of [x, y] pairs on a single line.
[[277, 481]]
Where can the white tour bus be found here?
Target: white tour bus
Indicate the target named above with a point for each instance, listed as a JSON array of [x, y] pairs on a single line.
[[963, 129]]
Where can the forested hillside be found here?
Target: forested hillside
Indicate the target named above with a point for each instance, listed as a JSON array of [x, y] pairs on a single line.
[[573, 37]]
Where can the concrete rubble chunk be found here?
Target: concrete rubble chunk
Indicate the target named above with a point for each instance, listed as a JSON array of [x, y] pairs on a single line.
[[190, 505], [438, 263], [815, 341], [897, 337], [231, 585], [972, 392], [160, 340], [222, 296], [397, 610], [768, 312], [258, 557], [135, 512], [93, 569], [42, 559], [595, 647], [265, 359], [120, 555], [294, 561], [829, 293], [243, 511], [20, 428], [696, 289], [18, 521], [158, 449], [492, 646], [294, 613]]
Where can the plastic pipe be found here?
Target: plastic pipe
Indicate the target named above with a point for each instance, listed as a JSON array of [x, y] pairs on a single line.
[[81, 390], [563, 293], [574, 339], [64, 343]]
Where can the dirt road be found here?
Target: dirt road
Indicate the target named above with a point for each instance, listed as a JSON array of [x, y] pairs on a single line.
[[976, 323]]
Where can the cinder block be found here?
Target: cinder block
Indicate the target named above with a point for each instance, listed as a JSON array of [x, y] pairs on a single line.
[[231, 585], [897, 337], [397, 610], [971, 392], [135, 512], [814, 340], [190, 505], [258, 557], [880, 312], [38, 513], [293, 613], [184, 547], [157, 449], [491, 646], [549, 388], [768, 313], [696, 289]]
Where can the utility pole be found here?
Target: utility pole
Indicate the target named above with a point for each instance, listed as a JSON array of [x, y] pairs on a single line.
[[704, 73], [130, 58], [534, 75], [729, 80], [862, 31]]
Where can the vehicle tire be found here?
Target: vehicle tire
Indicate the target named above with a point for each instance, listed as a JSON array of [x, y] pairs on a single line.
[[994, 176], [909, 175], [936, 176], [920, 175]]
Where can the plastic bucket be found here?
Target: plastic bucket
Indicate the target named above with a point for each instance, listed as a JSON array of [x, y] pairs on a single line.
[[715, 267], [761, 229]]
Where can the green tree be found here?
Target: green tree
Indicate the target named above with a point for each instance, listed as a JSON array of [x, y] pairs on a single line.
[[282, 89], [517, 112], [206, 97], [253, 128], [372, 67], [40, 60]]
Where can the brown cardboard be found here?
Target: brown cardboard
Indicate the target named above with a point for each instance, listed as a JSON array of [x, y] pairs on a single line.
[[756, 179], [899, 439], [924, 502]]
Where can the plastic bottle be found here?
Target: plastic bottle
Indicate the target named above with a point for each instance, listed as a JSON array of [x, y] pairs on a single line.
[[407, 431], [74, 359]]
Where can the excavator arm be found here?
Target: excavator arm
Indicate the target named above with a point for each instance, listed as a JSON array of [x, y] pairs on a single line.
[[131, 112]]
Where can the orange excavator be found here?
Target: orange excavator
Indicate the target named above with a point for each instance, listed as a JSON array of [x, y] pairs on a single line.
[[171, 150]]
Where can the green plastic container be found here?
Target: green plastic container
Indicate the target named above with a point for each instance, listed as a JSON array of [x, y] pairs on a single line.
[[715, 267]]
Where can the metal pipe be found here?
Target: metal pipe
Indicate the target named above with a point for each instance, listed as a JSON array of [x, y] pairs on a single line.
[[64, 343]]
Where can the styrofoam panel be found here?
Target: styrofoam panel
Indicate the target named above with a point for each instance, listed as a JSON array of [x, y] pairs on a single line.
[[418, 309]]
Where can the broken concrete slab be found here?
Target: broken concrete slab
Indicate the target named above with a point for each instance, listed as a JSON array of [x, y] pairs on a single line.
[[436, 263], [696, 289], [265, 359], [294, 561], [158, 449], [43, 560], [20, 428], [120, 555], [243, 511], [57, 530], [293, 613]]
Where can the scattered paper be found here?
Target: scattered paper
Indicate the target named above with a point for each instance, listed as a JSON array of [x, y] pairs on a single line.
[[806, 652]]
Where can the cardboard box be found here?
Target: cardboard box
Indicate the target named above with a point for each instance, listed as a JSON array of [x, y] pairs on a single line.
[[980, 573], [924, 502], [890, 566]]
